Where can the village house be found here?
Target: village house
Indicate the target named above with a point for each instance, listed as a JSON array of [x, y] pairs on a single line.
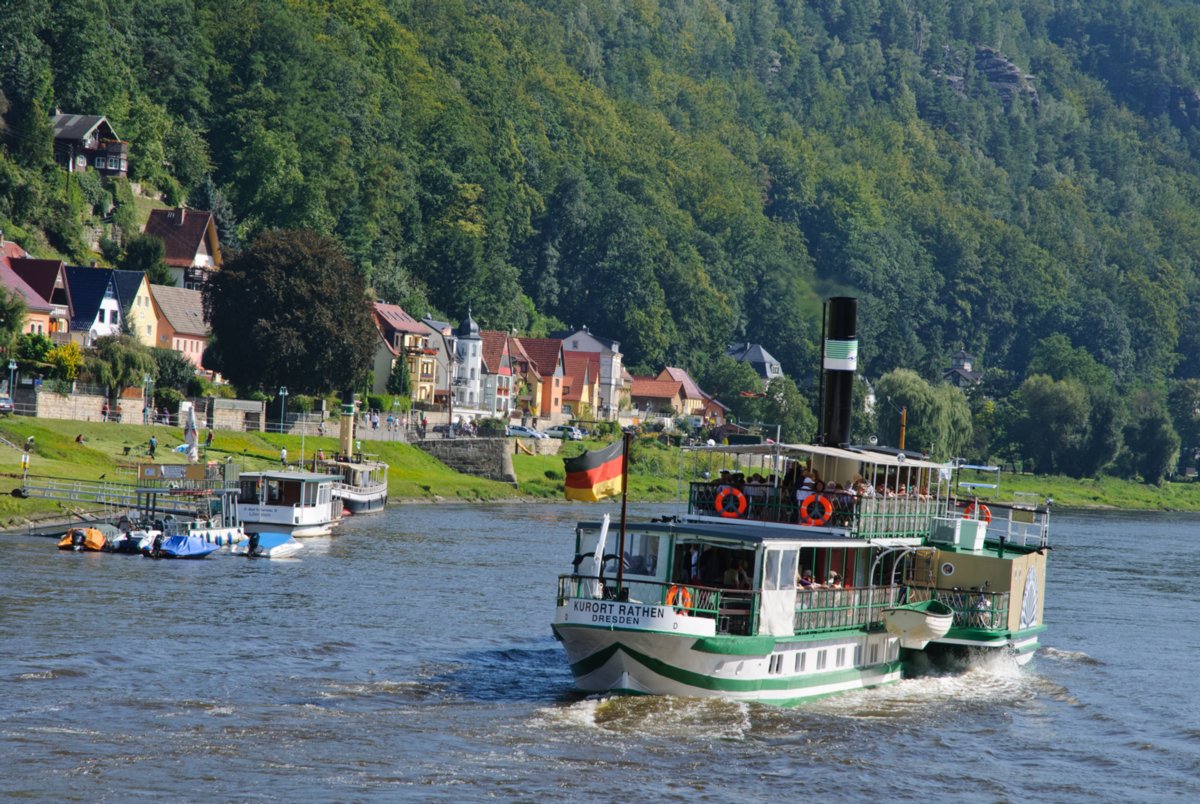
[[767, 367], [179, 321], [82, 141], [38, 311], [527, 382], [651, 396], [960, 373], [613, 391], [442, 340], [546, 360], [137, 309], [403, 337], [693, 397], [191, 248], [581, 384], [468, 365], [95, 303], [43, 288], [497, 374]]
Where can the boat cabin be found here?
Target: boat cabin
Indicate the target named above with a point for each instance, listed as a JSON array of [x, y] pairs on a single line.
[[300, 503]]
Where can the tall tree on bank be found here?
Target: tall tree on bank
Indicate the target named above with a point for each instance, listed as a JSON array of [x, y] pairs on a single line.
[[290, 310]]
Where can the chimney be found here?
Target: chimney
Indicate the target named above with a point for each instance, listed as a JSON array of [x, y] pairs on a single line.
[[840, 362], [179, 213]]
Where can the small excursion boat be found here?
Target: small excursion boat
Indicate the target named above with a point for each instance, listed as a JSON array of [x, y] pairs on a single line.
[[183, 545], [267, 545], [297, 503], [916, 624], [362, 481], [768, 589], [80, 539]]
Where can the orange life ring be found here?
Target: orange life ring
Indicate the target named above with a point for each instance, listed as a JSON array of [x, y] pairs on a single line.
[[680, 594], [985, 513], [739, 499], [826, 510]]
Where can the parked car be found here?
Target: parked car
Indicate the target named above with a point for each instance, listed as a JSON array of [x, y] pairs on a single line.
[[566, 432], [521, 431], [6, 403]]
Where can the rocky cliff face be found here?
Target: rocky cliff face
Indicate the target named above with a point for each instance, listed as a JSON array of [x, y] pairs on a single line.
[[1002, 75]]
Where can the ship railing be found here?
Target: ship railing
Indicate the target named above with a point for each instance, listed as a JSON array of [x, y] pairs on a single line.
[[733, 609], [972, 608], [819, 609], [903, 515]]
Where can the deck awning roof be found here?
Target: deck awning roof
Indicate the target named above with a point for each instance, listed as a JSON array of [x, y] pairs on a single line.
[[805, 450]]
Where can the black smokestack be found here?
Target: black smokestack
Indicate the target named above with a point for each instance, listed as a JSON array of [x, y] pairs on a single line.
[[840, 362]]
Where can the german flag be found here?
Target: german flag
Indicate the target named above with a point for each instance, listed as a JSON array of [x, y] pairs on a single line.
[[594, 474]]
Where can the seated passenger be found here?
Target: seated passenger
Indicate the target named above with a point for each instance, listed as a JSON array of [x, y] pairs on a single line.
[[806, 580], [832, 581]]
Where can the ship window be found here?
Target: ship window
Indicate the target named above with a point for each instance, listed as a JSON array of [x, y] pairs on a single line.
[[800, 661], [780, 571], [821, 659], [875, 654], [841, 657]]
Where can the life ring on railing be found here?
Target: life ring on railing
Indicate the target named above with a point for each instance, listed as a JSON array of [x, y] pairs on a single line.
[[985, 513], [680, 597], [739, 502], [806, 517]]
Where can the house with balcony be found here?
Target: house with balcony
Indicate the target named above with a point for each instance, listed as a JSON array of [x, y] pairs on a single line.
[[191, 248], [497, 374], [83, 141], [527, 382], [403, 337], [468, 365], [961, 373], [179, 321], [95, 303]]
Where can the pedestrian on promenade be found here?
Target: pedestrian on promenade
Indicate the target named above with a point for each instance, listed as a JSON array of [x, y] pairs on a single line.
[[153, 446], [104, 411], [283, 456]]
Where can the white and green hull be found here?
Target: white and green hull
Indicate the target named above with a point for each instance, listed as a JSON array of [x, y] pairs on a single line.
[[783, 670]]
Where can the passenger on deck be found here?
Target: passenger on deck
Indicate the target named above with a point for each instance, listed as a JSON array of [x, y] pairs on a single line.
[[832, 580], [806, 580]]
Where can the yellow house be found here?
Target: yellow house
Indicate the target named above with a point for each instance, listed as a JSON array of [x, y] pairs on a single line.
[[137, 309]]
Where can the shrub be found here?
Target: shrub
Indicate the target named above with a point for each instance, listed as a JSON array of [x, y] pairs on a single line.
[[377, 402], [255, 396], [197, 387], [222, 391], [167, 398], [490, 427], [300, 403]]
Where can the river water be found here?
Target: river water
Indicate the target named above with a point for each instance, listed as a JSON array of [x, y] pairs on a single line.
[[410, 657]]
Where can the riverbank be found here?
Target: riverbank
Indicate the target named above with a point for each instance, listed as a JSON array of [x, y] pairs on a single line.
[[111, 451]]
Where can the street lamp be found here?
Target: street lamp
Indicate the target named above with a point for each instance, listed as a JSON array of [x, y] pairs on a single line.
[[12, 370], [283, 392], [145, 399]]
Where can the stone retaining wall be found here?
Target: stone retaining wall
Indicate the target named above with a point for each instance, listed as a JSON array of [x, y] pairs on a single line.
[[481, 457]]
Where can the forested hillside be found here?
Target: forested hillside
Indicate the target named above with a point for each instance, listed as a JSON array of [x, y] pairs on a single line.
[[680, 175]]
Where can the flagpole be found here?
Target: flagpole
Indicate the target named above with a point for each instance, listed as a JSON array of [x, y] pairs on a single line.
[[624, 501]]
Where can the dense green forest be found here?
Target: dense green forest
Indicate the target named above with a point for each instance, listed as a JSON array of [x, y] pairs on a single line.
[[1017, 179]]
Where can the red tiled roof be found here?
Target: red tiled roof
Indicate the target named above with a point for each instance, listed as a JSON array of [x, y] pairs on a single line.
[[181, 241], [11, 250], [651, 388], [690, 389], [11, 280], [40, 274], [396, 319], [495, 345], [579, 374], [544, 352]]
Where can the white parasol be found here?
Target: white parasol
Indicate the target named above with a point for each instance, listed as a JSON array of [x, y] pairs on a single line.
[[189, 436]]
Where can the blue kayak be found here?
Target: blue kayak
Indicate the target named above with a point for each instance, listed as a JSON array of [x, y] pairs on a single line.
[[185, 546]]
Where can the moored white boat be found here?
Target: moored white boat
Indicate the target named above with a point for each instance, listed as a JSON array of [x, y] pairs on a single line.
[[916, 624], [296, 503]]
